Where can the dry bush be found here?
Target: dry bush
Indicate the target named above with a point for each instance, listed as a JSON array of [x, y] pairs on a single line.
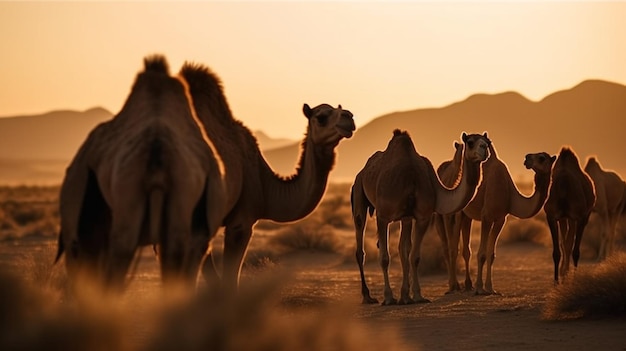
[[28, 211], [590, 292], [308, 234], [255, 319], [32, 319], [529, 230]]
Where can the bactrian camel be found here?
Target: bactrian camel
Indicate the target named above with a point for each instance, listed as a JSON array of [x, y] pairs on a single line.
[[402, 186], [254, 190], [496, 198], [146, 177], [569, 204], [610, 202]]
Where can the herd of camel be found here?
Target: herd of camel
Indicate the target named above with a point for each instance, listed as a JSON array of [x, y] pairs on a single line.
[[174, 166]]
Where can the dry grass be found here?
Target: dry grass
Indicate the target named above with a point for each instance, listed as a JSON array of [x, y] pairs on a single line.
[[531, 230], [307, 235], [28, 211], [254, 319], [590, 292]]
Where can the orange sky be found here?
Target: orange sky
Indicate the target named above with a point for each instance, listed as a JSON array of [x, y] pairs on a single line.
[[371, 57]]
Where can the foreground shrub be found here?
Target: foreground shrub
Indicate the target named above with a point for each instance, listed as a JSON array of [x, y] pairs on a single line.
[[596, 291]]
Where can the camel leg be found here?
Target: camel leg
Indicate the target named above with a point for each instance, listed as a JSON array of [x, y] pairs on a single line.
[[443, 235], [359, 217], [404, 247], [491, 253], [236, 239], [485, 229], [556, 246], [604, 235], [568, 230], [465, 224], [441, 231], [611, 234], [123, 241], [209, 269], [453, 231], [417, 235], [383, 255], [580, 229]]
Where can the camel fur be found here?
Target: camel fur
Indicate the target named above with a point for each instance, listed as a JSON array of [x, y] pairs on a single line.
[[401, 185], [146, 177], [569, 204], [254, 190]]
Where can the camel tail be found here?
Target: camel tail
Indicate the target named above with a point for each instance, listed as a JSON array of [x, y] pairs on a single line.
[[156, 200]]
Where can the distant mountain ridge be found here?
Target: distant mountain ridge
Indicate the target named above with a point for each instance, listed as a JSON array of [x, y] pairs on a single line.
[[590, 117]]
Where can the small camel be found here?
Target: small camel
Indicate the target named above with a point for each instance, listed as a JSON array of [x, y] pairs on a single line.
[[402, 186], [609, 204], [497, 196], [567, 209], [254, 190], [146, 177]]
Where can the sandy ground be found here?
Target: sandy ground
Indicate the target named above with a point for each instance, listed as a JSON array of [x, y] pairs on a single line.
[[510, 321]]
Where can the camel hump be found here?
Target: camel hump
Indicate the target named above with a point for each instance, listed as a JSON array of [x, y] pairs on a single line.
[[592, 163], [156, 64]]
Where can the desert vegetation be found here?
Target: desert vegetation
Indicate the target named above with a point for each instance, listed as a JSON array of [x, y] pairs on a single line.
[[38, 310]]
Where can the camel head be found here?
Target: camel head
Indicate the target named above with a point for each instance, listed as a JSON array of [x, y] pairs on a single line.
[[540, 162], [476, 147], [328, 125]]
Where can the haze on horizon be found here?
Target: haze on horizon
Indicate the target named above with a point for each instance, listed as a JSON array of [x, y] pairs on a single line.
[[372, 57]]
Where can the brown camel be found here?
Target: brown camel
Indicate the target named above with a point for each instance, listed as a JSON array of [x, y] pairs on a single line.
[[568, 207], [609, 204], [402, 186], [254, 191], [148, 176], [497, 196]]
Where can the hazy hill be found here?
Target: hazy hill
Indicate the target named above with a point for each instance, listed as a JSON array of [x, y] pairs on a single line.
[[590, 117], [38, 148]]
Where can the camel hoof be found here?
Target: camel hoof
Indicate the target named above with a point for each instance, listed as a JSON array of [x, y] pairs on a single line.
[[481, 292], [390, 302], [421, 300], [406, 301], [368, 300]]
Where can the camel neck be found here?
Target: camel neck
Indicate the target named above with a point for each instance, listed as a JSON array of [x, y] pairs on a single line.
[[454, 200], [292, 198], [526, 207]]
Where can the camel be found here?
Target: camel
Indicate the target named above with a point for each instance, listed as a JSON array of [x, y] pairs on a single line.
[[254, 190], [609, 204], [148, 176], [569, 204], [402, 186], [496, 198]]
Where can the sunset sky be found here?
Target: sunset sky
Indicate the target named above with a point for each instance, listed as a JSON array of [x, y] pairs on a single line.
[[371, 57]]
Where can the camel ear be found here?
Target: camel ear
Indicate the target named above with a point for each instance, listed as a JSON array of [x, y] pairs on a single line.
[[464, 137], [308, 112], [457, 145], [486, 137]]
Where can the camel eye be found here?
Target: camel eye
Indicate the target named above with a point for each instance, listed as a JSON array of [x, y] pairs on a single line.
[[323, 119], [470, 144], [542, 158]]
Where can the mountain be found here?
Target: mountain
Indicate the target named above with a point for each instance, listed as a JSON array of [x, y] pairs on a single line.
[[36, 149], [590, 117], [50, 136], [267, 143]]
